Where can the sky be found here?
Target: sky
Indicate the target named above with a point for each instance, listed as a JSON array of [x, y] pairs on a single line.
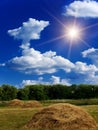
[[48, 42]]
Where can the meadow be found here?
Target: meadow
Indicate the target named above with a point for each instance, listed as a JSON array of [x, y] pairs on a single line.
[[14, 118]]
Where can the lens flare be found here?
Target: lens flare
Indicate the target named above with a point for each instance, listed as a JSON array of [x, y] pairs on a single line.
[[73, 33]]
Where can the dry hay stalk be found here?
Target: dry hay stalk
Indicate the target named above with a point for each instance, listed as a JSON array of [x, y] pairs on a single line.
[[63, 117]]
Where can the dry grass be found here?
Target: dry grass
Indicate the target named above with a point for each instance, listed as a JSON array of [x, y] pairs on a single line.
[[62, 116]]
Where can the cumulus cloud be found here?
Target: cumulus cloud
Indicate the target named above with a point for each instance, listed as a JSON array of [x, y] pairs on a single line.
[[35, 62], [58, 80], [52, 80], [32, 61], [33, 82], [92, 54], [85, 8], [92, 79], [55, 79], [87, 73], [30, 30], [83, 68], [87, 52]]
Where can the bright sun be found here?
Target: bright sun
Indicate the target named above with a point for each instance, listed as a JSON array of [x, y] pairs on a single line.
[[73, 33]]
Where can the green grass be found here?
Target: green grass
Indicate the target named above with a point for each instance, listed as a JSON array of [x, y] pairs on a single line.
[[93, 110], [71, 101], [78, 102], [16, 118]]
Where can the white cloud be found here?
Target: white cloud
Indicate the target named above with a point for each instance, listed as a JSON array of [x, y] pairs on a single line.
[[28, 31], [85, 8], [83, 68], [92, 79], [87, 52], [58, 80], [84, 73], [87, 73], [55, 79], [32, 82], [33, 61], [91, 54], [52, 80], [63, 63]]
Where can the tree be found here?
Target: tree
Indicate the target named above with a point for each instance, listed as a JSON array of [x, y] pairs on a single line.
[[83, 91], [36, 92], [95, 90], [22, 94], [8, 92], [58, 91], [0, 93]]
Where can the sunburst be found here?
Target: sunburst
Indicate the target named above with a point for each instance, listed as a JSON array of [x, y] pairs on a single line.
[[72, 33]]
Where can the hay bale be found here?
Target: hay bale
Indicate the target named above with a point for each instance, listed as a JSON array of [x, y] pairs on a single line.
[[31, 104], [62, 116], [15, 103]]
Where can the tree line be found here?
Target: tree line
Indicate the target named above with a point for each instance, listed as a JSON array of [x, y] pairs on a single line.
[[45, 92]]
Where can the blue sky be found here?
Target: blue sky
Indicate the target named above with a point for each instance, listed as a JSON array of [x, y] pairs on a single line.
[[35, 46]]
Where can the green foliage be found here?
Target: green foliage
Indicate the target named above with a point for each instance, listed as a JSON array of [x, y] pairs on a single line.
[[95, 89], [36, 92], [58, 92], [8, 92], [45, 92], [0, 94], [84, 91], [22, 94]]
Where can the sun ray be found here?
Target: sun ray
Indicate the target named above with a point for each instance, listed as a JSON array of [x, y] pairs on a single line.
[[49, 13], [69, 50], [84, 42], [73, 33], [52, 40], [88, 27]]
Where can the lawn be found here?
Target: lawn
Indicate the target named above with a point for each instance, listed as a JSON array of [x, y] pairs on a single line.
[[16, 118], [93, 110]]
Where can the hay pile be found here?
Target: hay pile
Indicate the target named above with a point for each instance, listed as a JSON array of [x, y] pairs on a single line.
[[63, 117], [31, 104], [24, 104], [15, 103]]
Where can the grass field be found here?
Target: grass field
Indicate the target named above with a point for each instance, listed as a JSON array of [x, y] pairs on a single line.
[[16, 118]]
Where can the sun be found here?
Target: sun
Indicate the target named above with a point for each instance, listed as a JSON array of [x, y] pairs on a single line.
[[73, 33]]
